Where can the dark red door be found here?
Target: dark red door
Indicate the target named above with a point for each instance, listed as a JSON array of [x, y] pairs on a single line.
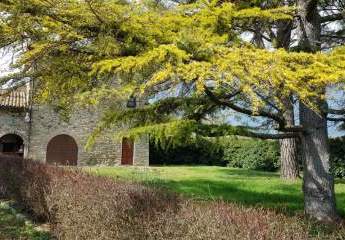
[[127, 151], [62, 150]]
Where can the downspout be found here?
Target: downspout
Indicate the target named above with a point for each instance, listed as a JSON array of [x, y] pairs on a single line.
[[29, 90]]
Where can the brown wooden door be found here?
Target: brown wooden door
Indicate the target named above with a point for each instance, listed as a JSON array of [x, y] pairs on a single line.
[[62, 150], [127, 151]]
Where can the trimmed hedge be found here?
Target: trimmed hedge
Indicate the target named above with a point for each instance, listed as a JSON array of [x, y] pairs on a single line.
[[234, 152], [82, 206], [251, 153], [337, 151], [238, 152], [199, 152]]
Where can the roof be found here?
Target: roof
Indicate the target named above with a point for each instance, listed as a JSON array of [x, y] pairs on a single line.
[[17, 99]]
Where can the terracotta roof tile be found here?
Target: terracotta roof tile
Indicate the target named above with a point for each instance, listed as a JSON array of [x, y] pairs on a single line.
[[14, 99]]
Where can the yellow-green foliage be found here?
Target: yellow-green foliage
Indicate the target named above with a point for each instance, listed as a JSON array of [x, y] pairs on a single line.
[[91, 51]]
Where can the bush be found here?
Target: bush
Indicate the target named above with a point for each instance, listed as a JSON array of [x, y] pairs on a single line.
[[199, 152], [235, 152], [238, 152], [337, 152], [251, 153], [81, 206]]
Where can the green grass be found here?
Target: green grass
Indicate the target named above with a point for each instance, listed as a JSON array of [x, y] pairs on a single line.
[[15, 226], [247, 187]]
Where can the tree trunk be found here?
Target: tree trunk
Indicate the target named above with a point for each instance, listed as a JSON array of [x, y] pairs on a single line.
[[289, 169], [318, 183]]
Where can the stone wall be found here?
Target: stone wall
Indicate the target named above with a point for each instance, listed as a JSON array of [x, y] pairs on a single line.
[[142, 151], [12, 122], [47, 123]]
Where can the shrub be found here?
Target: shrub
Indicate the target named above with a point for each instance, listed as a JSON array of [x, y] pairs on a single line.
[[251, 153], [81, 206], [238, 152], [235, 152], [337, 152], [198, 152]]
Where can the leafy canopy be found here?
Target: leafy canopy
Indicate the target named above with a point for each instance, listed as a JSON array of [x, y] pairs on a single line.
[[103, 51]]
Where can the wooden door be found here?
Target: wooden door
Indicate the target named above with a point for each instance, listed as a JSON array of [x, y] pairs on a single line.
[[62, 150], [127, 151]]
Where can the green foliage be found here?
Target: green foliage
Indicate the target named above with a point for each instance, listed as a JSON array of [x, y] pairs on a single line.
[[232, 151], [251, 153], [14, 225], [337, 151], [198, 152], [169, 117]]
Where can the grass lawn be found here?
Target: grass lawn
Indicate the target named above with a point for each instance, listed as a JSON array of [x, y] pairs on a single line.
[[242, 186], [15, 226]]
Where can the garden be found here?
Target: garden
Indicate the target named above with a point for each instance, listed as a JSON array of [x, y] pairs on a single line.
[[173, 202], [223, 188], [243, 103]]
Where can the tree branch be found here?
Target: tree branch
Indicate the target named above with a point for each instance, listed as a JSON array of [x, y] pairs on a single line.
[[295, 129], [272, 136], [94, 12], [267, 100], [333, 36], [334, 119], [226, 130], [334, 17], [336, 111], [239, 109]]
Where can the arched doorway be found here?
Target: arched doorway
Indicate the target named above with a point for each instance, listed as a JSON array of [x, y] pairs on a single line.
[[62, 150], [127, 151], [12, 144]]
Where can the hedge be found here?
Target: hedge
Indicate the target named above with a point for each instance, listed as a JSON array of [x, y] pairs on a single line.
[[82, 206], [233, 151], [251, 153], [264, 155], [337, 150], [238, 152], [198, 152]]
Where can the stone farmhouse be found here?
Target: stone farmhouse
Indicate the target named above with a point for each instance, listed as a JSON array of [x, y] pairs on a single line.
[[38, 132]]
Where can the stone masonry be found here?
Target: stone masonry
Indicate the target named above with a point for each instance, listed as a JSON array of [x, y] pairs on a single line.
[[44, 123]]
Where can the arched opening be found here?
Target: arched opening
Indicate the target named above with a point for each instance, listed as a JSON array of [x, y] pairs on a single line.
[[62, 150], [127, 151], [12, 144]]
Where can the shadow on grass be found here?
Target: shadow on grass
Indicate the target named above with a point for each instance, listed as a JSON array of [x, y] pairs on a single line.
[[14, 225], [246, 173], [241, 186], [288, 200], [339, 181]]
